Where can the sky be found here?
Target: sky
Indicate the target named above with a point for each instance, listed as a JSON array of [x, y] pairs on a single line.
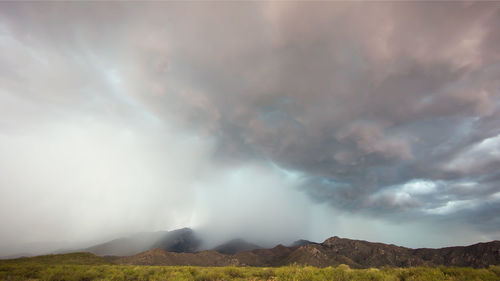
[[268, 121]]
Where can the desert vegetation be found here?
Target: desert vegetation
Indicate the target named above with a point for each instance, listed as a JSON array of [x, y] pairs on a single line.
[[85, 266]]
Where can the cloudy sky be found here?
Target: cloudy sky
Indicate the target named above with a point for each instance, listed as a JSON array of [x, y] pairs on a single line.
[[267, 121]]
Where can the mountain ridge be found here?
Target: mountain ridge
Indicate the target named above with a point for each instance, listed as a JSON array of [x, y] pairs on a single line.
[[183, 247], [332, 252]]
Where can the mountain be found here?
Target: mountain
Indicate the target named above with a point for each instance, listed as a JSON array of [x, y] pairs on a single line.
[[180, 240], [235, 246], [332, 252], [358, 253]]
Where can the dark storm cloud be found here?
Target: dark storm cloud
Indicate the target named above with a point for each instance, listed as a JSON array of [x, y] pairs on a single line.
[[383, 109], [359, 97]]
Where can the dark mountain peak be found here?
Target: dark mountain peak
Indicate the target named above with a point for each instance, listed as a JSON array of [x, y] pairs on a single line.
[[301, 242], [182, 230], [235, 246], [279, 247], [335, 240], [178, 240]]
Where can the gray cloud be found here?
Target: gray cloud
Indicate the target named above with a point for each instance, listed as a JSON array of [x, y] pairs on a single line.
[[377, 110]]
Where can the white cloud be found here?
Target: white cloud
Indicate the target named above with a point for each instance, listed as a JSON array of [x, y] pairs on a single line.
[[419, 187], [479, 156], [453, 206]]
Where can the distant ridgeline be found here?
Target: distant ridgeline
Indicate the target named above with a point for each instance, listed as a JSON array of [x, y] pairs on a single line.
[[181, 247]]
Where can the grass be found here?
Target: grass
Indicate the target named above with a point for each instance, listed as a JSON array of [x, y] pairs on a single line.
[[82, 266]]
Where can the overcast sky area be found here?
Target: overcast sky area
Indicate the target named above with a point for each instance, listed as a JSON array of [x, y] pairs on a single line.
[[266, 121]]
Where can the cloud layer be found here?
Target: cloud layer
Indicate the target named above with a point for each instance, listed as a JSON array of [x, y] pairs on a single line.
[[175, 114]]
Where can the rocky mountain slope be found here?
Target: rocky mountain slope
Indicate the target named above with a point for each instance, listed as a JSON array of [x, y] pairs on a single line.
[[332, 252]]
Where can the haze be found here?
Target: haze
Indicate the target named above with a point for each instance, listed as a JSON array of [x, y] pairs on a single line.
[[270, 122]]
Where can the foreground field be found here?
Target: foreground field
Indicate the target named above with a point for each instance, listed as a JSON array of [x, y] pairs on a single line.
[[89, 267]]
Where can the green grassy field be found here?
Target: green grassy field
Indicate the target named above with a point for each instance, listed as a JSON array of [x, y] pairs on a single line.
[[82, 266]]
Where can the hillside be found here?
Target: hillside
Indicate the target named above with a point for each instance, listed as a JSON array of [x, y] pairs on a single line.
[[72, 258], [162, 257]]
